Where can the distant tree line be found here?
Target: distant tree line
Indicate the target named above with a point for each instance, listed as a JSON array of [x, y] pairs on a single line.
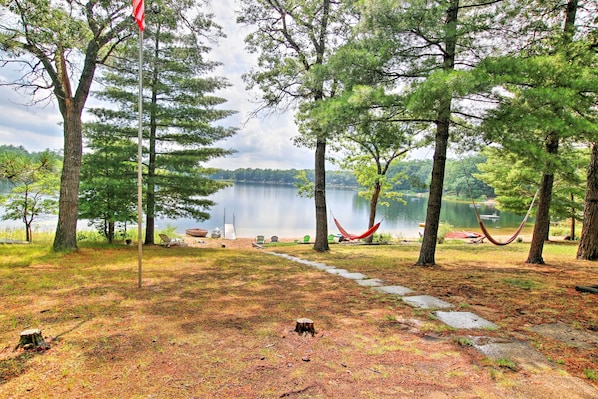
[[415, 177]]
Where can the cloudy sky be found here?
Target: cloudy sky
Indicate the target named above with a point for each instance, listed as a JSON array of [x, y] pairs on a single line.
[[264, 142]]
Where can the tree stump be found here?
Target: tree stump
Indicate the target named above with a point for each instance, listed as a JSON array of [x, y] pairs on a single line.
[[305, 326], [32, 339]]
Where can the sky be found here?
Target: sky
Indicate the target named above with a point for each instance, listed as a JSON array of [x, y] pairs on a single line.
[[261, 142]]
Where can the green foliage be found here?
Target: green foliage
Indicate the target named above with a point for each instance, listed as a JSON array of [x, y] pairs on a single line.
[[524, 284], [461, 177], [305, 187], [506, 363], [108, 181], [180, 120], [35, 179], [515, 182], [382, 238], [592, 375], [58, 46], [443, 229], [90, 236]]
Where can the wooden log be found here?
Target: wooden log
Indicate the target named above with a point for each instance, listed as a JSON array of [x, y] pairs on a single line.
[[305, 326], [32, 339], [592, 289]]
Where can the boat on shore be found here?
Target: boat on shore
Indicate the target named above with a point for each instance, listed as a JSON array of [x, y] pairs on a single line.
[[463, 234], [196, 232], [493, 216]]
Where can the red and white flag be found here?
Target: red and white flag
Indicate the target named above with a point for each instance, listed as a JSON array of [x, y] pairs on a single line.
[[139, 13]]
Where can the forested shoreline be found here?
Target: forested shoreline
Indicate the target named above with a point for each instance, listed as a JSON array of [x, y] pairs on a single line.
[[414, 177]]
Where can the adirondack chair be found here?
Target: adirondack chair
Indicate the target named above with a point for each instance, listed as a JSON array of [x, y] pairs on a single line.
[[169, 242]]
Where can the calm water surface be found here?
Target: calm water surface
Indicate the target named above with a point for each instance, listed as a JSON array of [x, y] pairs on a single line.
[[262, 209], [265, 209]]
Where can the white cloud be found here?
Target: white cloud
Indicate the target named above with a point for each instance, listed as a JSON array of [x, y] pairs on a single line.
[[34, 127]]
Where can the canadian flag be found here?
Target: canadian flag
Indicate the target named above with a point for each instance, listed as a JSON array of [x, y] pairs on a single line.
[[139, 13]]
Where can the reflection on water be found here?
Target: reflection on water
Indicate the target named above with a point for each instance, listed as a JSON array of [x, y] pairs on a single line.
[[262, 209]]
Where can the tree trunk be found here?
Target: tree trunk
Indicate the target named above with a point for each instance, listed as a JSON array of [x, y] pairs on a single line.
[[28, 236], [588, 242], [32, 339], [428, 249], [71, 108], [110, 232], [305, 326], [373, 205], [572, 234], [150, 206], [542, 224], [321, 242], [68, 203]]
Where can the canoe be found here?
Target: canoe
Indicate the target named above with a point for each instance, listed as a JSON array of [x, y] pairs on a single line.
[[196, 232], [462, 234]]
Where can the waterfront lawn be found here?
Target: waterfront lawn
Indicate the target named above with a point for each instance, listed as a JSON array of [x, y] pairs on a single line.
[[217, 322]]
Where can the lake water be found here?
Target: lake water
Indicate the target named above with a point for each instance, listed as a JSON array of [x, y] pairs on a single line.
[[265, 209]]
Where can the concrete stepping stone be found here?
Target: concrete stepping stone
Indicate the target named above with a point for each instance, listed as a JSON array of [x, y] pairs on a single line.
[[394, 289], [322, 266], [465, 320], [426, 302], [569, 335], [353, 276], [337, 271], [517, 351], [370, 282]]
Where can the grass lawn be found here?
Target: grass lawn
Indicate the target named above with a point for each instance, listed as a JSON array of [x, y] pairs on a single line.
[[217, 322]]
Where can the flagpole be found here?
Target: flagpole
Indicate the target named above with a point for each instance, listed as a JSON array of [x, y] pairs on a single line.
[[139, 164]]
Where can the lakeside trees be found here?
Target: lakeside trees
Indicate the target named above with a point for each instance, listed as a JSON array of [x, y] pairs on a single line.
[[35, 182], [547, 103], [422, 60], [59, 46], [108, 179], [294, 40], [179, 118]]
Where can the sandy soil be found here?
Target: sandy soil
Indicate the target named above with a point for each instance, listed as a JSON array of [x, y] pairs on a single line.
[[238, 243]]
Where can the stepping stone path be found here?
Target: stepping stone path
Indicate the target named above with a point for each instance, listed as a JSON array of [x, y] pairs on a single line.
[[465, 320], [395, 290], [370, 282], [520, 352], [426, 302]]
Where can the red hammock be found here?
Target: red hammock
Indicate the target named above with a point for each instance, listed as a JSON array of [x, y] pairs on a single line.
[[352, 237]]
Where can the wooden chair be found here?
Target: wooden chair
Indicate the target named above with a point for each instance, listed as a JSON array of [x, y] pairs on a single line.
[[169, 242]]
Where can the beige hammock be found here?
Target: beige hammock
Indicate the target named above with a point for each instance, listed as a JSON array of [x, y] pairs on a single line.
[[517, 232]]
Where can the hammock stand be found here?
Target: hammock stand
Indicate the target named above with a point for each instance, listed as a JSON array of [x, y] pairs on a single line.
[[353, 237], [517, 232]]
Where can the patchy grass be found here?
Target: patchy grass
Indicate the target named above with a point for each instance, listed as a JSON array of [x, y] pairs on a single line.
[[493, 282], [218, 322]]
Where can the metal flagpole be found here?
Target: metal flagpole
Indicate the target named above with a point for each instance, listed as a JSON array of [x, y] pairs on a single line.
[[139, 14], [140, 164]]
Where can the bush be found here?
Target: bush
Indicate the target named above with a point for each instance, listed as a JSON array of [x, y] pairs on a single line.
[[442, 230]]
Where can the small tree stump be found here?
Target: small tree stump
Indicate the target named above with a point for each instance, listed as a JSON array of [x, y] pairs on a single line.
[[32, 339], [305, 326]]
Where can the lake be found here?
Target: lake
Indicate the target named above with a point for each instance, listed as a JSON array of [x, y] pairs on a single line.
[[266, 209]]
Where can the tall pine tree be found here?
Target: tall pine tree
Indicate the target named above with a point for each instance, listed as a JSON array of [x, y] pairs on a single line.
[[180, 110]]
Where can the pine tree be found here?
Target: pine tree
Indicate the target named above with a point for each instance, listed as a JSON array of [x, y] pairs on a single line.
[[180, 111]]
